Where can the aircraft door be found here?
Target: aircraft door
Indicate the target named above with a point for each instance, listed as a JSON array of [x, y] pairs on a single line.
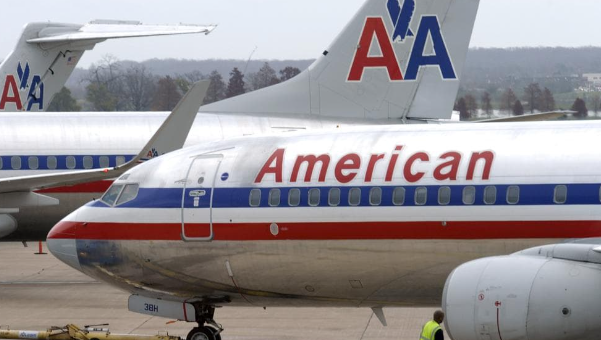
[[197, 198]]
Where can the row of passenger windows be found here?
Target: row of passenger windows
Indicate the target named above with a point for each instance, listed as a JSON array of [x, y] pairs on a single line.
[[398, 196], [51, 162]]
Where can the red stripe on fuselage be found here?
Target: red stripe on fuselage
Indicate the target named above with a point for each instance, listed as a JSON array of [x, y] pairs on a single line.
[[471, 230], [91, 187]]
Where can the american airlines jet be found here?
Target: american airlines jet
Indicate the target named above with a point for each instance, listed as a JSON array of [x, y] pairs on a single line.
[[365, 217], [384, 67], [47, 53]]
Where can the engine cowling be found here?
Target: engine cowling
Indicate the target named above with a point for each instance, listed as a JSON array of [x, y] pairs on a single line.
[[521, 297], [8, 225]]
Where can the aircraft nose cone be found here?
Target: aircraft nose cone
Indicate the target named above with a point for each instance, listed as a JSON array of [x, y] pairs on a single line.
[[62, 243]]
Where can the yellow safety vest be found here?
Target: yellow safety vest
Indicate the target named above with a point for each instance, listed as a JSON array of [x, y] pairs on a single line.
[[429, 330]]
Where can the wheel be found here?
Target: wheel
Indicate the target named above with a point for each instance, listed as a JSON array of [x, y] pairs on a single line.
[[217, 336], [201, 333]]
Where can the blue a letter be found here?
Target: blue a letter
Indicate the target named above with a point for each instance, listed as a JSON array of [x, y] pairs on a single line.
[[36, 83], [429, 26]]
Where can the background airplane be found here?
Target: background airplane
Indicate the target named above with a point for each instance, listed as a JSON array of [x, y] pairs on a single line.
[[367, 76], [47, 52], [365, 217]]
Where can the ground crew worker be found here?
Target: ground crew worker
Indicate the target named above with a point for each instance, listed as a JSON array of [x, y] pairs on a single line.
[[432, 330]]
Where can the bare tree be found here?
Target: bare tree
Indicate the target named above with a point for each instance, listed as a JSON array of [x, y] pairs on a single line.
[[548, 101], [486, 104], [471, 104], [508, 100], [139, 86], [534, 95], [105, 88]]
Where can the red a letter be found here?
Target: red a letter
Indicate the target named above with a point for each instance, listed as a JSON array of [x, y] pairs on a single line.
[[453, 166], [269, 168], [375, 27], [11, 85], [414, 177]]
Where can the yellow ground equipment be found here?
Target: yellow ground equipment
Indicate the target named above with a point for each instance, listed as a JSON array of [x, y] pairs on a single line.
[[72, 332]]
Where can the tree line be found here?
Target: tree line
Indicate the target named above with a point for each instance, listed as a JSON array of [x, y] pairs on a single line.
[[111, 86], [534, 99]]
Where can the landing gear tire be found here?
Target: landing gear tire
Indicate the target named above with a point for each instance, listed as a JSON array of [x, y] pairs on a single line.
[[202, 333], [215, 333]]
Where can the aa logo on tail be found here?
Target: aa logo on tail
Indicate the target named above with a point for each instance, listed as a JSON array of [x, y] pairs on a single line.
[[11, 92], [401, 16]]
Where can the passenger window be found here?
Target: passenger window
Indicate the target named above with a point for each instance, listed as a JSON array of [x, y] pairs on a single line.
[[111, 194], [70, 162], [120, 160], [354, 196], [15, 162], [1, 163], [334, 197], [560, 195], [33, 162], [88, 162], [104, 161], [398, 196], [274, 197], [421, 195], [255, 197], [444, 195], [129, 193], [513, 194], [375, 196], [490, 195], [314, 197], [51, 162], [294, 197], [469, 195]]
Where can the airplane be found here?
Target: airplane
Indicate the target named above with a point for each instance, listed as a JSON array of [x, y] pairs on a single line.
[[379, 70], [47, 53], [376, 216]]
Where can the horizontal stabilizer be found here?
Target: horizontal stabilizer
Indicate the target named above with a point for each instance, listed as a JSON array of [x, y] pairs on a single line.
[[170, 136], [105, 29]]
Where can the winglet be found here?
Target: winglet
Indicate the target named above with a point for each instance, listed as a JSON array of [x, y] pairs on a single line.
[[174, 131]]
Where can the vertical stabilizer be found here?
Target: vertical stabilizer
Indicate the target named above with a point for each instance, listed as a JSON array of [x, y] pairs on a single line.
[[396, 59], [47, 53]]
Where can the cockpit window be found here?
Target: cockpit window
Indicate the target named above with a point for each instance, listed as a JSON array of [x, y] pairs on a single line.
[[129, 193], [111, 194]]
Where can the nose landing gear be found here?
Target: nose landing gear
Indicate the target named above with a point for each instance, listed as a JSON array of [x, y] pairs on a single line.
[[207, 328]]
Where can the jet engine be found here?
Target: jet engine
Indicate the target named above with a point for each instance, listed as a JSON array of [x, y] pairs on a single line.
[[8, 224], [549, 293]]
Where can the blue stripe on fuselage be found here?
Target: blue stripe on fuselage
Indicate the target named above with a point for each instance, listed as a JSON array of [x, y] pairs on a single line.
[[529, 194]]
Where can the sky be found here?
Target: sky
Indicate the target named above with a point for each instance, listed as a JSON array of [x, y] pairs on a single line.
[[284, 29]]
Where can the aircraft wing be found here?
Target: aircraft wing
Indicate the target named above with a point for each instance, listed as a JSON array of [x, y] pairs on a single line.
[[170, 136], [536, 117], [109, 29]]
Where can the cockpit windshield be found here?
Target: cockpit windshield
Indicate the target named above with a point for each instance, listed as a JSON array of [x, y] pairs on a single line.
[[129, 193], [111, 195], [120, 193]]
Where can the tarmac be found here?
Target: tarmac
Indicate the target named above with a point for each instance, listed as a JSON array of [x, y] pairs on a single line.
[[39, 291]]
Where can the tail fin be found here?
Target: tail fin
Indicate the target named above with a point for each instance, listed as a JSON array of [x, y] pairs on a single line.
[[395, 59], [47, 53]]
